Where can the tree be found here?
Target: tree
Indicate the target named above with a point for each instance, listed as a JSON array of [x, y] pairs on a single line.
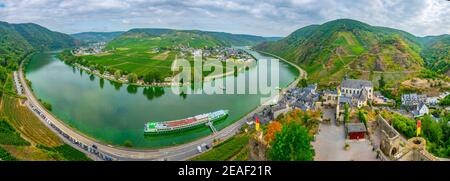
[[445, 101], [303, 82], [273, 128], [3, 74], [291, 144], [153, 77], [362, 117], [132, 78], [404, 125], [117, 74], [346, 113], [431, 129], [47, 105], [381, 82], [128, 143], [101, 69]]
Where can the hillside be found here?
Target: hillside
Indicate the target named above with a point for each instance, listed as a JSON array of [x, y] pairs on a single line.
[[163, 38], [12, 45], [330, 51], [190, 38], [43, 38], [17, 40], [89, 37], [436, 53], [238, 39]]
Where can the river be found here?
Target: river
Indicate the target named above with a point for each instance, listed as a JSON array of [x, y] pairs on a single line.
[[114, 113]]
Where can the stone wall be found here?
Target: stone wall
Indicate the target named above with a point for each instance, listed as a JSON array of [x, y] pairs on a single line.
[[417, 151], [257, 149], [390, 138]]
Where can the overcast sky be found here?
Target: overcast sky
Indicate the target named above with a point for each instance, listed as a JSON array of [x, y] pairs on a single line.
[[267, 18]]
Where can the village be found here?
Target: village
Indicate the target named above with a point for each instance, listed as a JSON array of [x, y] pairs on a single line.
[[352, 126], [91, 49], [223, 54]]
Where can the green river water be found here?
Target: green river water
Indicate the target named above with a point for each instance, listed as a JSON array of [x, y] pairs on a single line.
[[115, 113]]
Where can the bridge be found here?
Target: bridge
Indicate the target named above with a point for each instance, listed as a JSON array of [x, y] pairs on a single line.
[[211, 126]]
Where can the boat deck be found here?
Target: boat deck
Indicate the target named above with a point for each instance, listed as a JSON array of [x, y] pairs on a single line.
[[180, 122]]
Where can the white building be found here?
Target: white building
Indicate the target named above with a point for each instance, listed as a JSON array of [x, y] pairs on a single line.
[[356, 92], [413, 100], [422, 109], [432, 100]]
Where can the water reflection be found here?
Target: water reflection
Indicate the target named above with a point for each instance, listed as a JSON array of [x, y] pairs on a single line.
[[102, 83], [153, 92], [92, 77], [44, 61], [183, 95], [116, 85], [132, 89]]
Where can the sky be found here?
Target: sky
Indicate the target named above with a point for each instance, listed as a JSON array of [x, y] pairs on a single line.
[[257, 17]]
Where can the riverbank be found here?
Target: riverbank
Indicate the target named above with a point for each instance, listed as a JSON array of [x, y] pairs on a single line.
[[303, 73], [179, 151], [105, 74]]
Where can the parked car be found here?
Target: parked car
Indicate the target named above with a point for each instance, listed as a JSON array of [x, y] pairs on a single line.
[[205, 146]]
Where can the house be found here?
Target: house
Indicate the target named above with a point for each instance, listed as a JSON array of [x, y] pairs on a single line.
[[303, 98], [378, 98], [356, 131], [302, 106], [413, 100], [443, 95], [279, 109], [421, 110], [355, 87], [432, 101], [356, 92], [330, 97]]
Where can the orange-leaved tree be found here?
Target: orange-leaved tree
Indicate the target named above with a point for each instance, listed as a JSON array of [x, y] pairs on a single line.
[[272, 129]]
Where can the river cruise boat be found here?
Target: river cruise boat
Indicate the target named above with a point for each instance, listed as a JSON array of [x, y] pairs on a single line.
[[183, 124]]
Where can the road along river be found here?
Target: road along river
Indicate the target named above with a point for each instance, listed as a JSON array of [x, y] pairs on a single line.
[[94, 109]]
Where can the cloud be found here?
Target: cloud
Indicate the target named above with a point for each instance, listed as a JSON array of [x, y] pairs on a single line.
[[261, 17], [125, 21]]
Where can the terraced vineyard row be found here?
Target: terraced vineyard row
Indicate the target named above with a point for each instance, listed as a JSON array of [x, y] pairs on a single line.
[[28, 124]]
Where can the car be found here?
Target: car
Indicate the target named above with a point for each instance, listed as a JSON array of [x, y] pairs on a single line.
[[205, 146], [199, 149]]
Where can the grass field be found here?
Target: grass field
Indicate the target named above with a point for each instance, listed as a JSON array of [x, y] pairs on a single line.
[[231, 149]]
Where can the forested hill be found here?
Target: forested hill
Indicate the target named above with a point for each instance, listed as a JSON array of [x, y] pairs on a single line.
[[436, 53], [16, 40], [336, 48], [92, 37], [193, 38]]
